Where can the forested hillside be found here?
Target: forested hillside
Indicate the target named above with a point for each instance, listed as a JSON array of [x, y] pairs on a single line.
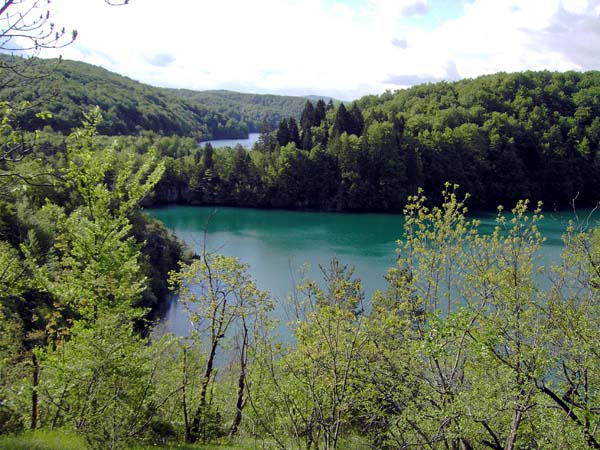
[[248, 108], [505, 136], [68, 89], [501, 137]]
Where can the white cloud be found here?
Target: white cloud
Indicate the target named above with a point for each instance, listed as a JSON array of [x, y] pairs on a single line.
[[495, 36], [327, 47]]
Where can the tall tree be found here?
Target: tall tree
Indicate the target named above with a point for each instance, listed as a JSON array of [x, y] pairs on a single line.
[[307, 119], [283, 133], [294, 133], [320, 112], [357, 121], [227, 297], [343, 122]]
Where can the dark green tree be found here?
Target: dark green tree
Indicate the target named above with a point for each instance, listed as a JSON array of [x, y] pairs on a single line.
[[293, 131], [343, 122], [357, 122], [306, 139], [320, 111], [307, 119], [283, 133]]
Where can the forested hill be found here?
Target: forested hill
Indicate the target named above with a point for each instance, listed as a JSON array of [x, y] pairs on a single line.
[[502, 137], [249, 108], [70, 88]]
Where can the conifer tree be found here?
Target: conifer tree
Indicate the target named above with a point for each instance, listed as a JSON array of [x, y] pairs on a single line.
[[294, 134], [320, 111], [283, 133], [343, 121], [357, 120], [307, 119]]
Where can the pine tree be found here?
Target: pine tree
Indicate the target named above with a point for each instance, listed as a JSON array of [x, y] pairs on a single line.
[[294, 133], [320, 111], [283, 133], [307, 119], [357, 121], [306, 141], [343, 121], [208, 156]]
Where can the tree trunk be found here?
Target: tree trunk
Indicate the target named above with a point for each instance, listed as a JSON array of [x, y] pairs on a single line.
[[512, 439], [34, 393], [241, 384], [194, 432]]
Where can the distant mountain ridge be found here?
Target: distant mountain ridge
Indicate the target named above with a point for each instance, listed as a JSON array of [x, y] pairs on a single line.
[[70, 88]]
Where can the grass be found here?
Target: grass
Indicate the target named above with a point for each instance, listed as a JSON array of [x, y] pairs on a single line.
[[42, 440], [57, 440]]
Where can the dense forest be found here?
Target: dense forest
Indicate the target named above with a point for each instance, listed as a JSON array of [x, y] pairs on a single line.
[[251, 109], [500, 137], [472, 344], [68, 89]]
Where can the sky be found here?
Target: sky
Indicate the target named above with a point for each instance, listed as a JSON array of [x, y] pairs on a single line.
[[335, 48]]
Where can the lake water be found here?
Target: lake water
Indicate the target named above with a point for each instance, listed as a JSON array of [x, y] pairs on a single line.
[[279, 245], [246, 143]]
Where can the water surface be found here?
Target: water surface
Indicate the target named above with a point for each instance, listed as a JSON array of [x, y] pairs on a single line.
[[280, 245], [247, 143]]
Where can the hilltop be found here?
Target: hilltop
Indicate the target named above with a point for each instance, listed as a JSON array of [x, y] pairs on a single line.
[[69, 88]]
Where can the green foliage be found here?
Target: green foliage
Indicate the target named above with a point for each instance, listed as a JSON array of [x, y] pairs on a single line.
[[220, 299], [98, 267], [69, 89], [102, 381], [501, 137], [249, 109], [466, 348], [307, 391]]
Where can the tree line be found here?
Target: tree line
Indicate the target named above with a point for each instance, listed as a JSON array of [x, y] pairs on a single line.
[[502, 137]]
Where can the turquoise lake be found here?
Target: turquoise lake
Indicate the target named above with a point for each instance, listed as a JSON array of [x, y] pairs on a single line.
[[280, 245]]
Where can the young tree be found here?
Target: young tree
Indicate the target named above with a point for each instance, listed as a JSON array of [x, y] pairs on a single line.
[[99, 264], [92, 271], [308, 391], [103, 381], [459, 337], [573, 309], [218, 294]]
